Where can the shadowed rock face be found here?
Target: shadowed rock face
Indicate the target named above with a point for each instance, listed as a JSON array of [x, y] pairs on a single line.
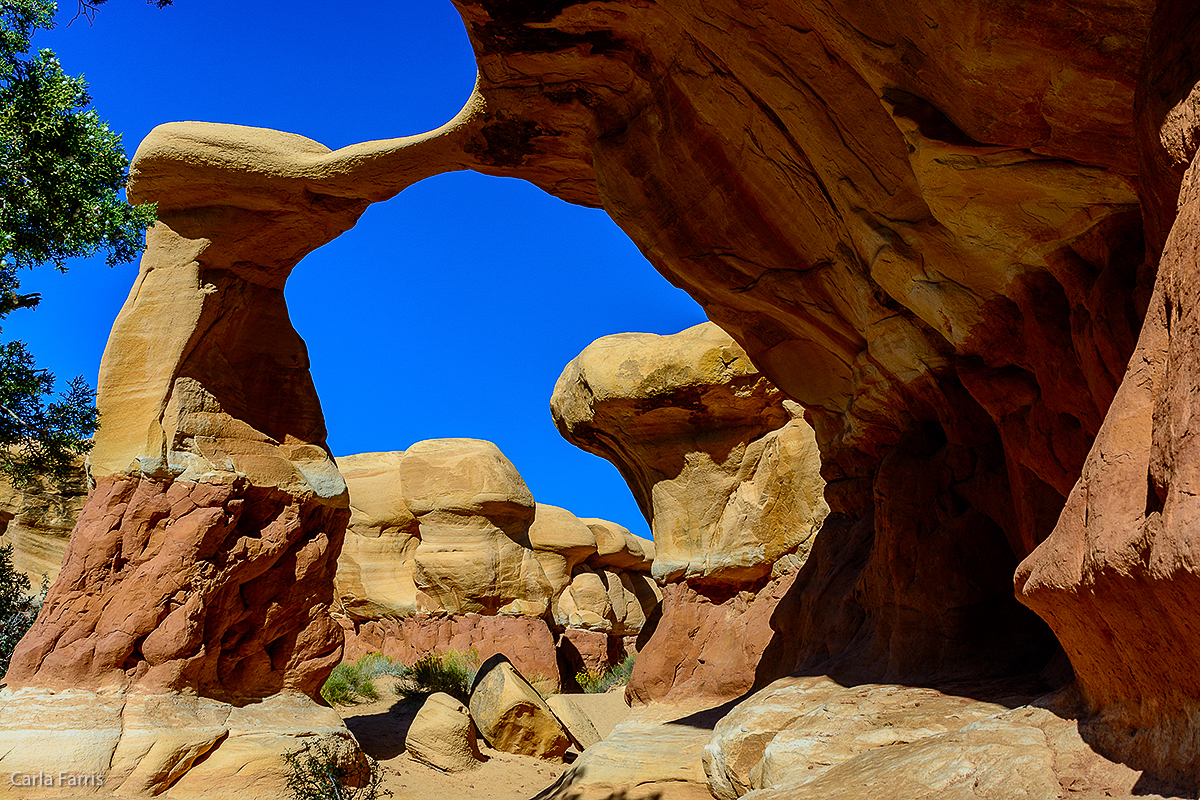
[[1118, 577], [923, 226], [37, 521]]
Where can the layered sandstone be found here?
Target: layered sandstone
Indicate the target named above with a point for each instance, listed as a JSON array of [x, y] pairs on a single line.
[[924, 227], [728, 474], [722, 465], [202, 563], [449, 526], [36, 520]]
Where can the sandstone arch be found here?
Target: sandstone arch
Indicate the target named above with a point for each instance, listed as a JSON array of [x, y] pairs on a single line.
[[925, 227]]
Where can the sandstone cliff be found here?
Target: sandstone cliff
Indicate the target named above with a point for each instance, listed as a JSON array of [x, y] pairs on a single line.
[[37, 521]]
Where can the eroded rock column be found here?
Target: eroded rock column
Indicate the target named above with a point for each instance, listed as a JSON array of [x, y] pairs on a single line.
[[191, 616], [727, 473]]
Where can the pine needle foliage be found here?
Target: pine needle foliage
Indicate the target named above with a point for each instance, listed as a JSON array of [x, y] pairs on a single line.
[[18, 606], [62, 171]]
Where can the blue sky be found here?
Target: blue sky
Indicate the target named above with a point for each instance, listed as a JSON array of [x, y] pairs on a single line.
[[449, 310]]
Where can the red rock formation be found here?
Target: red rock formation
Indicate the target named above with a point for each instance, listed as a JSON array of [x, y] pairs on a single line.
[[201, 570], [923, 226], [526, 641], [219, 589], [1118, 578], [707, 644]]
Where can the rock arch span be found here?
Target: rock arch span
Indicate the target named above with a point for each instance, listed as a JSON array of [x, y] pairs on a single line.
[[927, 228]]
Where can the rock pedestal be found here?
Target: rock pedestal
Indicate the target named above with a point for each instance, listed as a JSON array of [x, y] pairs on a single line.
[[191, 620]]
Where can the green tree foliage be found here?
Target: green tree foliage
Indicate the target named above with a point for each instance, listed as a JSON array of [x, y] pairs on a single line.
[[18, 608], [61, 173]]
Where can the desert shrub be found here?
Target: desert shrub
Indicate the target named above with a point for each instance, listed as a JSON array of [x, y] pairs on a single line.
[[616, 675], [317, 773], [18, 606], [355, 683], [450, 672]]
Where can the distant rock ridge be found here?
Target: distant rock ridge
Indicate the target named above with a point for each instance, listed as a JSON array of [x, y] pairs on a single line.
[[449, 526]]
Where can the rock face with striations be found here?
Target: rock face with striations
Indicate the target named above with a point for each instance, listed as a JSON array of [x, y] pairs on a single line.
[[728, 474], [722, 465], [37, 521]]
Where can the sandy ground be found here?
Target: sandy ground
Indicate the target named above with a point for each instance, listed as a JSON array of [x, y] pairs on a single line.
[[380, 728]]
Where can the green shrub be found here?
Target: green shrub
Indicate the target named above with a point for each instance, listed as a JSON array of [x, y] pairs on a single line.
[[450, 672], [318, 773], [355, 683], [18, 607], [598, 682]]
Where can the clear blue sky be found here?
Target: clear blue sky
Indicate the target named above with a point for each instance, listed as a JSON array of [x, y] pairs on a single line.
[[448, 311]]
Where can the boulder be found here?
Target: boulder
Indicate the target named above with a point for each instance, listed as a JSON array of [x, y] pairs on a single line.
[[442, 735], [726, 473], [581, 730], [797, 728], [512, 716], [810, 737], [473, 512]]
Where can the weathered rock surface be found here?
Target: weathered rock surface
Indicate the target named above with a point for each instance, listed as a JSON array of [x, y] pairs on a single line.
[[202, 563], [811, 737], [450, 526], [442, 735], [1118, 579], [375, 570], [473, 511], [925, 227], [177, 746], [581, 730], [727, 472], [654, 754], [512, 716], [919, 225], [498, 563], [707, 644], [727, 476], [37, 521], [582, 650]]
